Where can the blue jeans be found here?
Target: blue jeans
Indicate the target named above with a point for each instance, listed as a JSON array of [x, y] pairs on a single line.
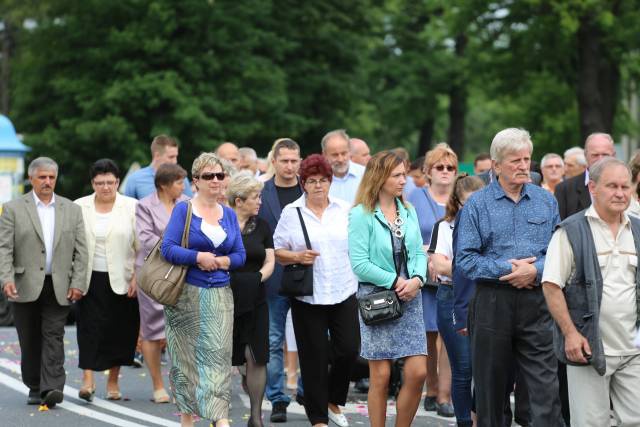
[[459, 351], [278, 308]]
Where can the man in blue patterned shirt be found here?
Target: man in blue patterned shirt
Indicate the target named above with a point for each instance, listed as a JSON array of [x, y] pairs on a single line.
[[504, 232]]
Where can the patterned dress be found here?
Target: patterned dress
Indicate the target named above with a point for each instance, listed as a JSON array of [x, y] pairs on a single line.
[[398, 338]]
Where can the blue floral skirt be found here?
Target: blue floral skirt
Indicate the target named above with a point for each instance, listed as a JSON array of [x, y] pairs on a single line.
[[393, 339]]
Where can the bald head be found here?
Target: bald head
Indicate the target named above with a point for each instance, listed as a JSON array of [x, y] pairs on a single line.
[[359, 151], [229, 151], [597, 146]]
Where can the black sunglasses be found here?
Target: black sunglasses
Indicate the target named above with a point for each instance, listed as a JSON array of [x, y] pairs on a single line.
[[208, 176], [440, 168]]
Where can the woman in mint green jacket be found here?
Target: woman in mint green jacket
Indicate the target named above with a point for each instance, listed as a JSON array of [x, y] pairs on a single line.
[[385, 248]]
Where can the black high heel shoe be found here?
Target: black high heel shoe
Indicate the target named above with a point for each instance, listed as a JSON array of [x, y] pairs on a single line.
[[250, 423]]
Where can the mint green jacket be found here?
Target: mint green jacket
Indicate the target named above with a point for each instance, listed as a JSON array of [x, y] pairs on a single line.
[[371, 250]]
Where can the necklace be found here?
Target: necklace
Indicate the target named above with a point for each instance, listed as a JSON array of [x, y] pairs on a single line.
[[396, 226]]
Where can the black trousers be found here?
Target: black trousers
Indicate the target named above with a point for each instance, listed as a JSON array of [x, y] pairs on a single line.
[[311, 324], [511, 326], [40, 326]]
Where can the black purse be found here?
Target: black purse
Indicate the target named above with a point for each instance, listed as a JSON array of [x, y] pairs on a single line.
[[297, 279], [380, 307]]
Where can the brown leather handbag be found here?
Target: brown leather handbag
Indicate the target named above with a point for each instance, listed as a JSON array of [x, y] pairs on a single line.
[[160, 280]]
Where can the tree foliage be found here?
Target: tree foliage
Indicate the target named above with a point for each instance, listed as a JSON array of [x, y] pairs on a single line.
[[93, 79]]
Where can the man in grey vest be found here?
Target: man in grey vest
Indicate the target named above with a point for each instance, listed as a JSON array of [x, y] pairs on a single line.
[[591, 283]]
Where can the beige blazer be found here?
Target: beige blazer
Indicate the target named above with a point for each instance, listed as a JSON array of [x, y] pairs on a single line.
[[121, 243], [22, 250]]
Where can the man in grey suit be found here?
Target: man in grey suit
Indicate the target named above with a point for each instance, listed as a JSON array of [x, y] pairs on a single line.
[[43, 257]]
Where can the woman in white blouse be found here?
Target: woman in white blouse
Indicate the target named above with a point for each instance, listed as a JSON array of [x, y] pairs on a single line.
[[332, 309], [107, 316]]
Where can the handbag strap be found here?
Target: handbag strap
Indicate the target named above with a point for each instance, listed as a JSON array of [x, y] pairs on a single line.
[[304, 229], [187, 226]]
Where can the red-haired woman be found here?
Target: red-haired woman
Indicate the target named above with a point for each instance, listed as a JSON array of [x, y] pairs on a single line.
[[332, 308]]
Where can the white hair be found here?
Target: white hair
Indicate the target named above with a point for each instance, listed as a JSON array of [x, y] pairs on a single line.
[[550, 156], [578, 152], [508, 141], [248, 153], [597, 169], [342, 133], [44, 163]]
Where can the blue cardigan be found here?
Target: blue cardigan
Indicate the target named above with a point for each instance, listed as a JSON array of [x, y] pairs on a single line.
[[232, 246]]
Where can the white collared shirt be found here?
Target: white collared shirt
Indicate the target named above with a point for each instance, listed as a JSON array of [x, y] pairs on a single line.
[[333, 279], [47, 215], [618, 263], [345, 188]]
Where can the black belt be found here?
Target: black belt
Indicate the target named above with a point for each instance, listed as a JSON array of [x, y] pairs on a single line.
[[497, 284], [445, 283]]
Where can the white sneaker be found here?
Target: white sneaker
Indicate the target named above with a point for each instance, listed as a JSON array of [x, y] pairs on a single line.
[[338, 419]]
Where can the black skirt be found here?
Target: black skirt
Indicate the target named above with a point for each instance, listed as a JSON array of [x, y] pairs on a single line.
[[252, 329], [108, 326]]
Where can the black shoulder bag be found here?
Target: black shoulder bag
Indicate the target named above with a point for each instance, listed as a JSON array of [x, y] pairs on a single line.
[[382, 306], [297, 279]]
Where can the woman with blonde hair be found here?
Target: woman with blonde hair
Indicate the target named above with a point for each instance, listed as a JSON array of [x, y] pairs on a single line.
[[199, 327], [251, 313], [440, 168], [385, 249]]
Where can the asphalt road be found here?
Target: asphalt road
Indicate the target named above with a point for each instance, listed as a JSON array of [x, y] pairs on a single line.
[[136, 408]]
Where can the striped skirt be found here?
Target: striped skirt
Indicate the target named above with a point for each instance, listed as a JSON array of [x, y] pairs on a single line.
[[199, 332]]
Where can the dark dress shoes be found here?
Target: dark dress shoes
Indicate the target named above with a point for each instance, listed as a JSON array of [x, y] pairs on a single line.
[[34, 397], [279, 412], [51, 398]]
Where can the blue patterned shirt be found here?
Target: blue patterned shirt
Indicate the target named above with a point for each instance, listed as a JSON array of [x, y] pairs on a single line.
[[494, 229]]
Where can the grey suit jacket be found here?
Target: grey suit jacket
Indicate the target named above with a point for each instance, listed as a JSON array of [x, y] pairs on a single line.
[[22, 250]]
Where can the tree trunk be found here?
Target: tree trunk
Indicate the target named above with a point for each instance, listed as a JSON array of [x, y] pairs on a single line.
[[5, 68], [598, 81], [458, 100], [426, 135]]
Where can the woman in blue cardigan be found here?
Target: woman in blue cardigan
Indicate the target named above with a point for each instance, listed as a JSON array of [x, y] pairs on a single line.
[[385, 248], [199, 327]]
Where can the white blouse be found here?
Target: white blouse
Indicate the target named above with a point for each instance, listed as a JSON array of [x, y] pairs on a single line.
[[444, 245], [333, 279], [101, 228]]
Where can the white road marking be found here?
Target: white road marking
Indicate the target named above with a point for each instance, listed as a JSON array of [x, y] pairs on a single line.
[[80, 410], [14, 367]]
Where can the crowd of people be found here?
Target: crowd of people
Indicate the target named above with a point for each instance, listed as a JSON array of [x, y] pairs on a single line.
[[518, 278]]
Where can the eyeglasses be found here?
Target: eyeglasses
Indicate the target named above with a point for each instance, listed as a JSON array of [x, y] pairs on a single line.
[[208, 176], [449, 168], [104, 183], [314, 182]]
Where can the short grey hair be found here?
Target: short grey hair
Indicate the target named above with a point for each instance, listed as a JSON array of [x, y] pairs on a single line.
[[242, 185], [597, 169], [45, 163], [342, 133], [550, 156], [510, 140], [205, 160], [248, 153], [578, 152]]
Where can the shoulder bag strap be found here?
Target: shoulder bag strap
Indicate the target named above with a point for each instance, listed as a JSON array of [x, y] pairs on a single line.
[[304, 229], [187, 226]]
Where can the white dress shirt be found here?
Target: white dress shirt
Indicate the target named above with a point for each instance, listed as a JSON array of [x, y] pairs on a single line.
[[345, 188], [47, 215], [333, 279]]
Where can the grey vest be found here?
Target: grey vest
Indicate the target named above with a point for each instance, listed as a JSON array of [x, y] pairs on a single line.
[[583, 290]]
